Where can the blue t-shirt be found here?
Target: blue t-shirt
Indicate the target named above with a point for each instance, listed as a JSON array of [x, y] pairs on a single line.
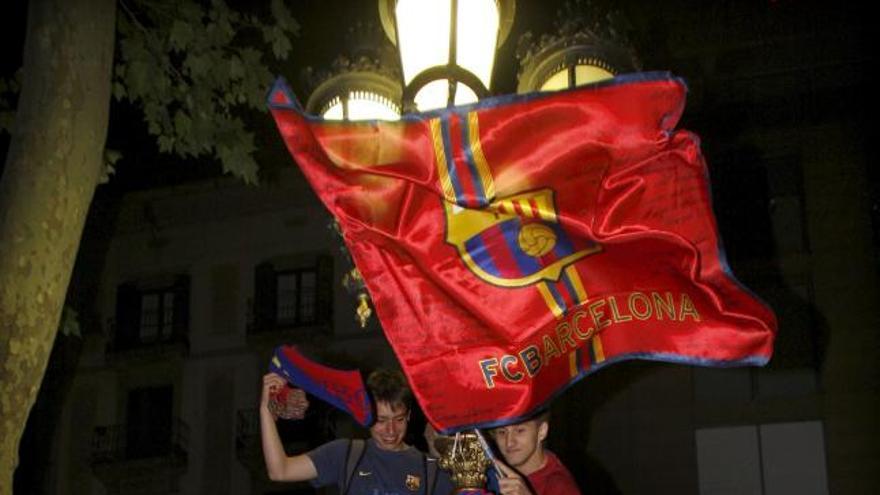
[[380, 472]]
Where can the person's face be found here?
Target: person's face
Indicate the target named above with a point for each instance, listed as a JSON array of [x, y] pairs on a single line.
[[390, 426], [520, 444]]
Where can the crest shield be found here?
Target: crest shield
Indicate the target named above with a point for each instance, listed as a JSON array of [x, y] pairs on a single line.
[[516, 241]]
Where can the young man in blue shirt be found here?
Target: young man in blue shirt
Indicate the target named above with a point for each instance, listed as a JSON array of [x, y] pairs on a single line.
[[387, 465]]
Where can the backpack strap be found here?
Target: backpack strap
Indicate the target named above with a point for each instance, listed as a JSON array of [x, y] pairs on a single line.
[[353, 456], [430, 474]]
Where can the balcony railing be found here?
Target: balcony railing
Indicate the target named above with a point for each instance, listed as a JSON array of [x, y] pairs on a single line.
[[121, 443]]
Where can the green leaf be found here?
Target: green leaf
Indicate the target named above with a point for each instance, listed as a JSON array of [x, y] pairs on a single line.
[[110, 159], [235, 68], [194, 67], [283, 18], [268, 34], [197, 65], [112, 156], [69, 325], [182, 124], [7, 119], [280, 44], [138, 75], [191, 12], [118, 90], [251, 57], [181, 35], [166, 144], [235, 161], [156, 116], [218, 9]]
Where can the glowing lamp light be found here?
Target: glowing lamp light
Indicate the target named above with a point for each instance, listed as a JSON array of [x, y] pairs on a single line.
[[356, 95], [447, 47], [577, 75], [361, 105]]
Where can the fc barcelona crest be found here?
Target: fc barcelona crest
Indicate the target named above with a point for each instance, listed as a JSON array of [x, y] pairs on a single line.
[[514, 242], [413, 482]]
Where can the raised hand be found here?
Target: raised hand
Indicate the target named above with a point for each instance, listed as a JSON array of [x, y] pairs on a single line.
[[511, 482], [282, 400]]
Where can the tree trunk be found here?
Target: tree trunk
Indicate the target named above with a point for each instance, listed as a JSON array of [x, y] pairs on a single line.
[[52, 168]]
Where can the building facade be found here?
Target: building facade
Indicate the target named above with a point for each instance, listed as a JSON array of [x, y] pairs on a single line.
[[199, 284]]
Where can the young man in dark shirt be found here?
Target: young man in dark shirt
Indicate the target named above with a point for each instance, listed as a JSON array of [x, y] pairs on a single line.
[[388, 466]]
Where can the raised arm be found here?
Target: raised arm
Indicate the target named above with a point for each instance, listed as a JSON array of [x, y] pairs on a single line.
[[279, 465]]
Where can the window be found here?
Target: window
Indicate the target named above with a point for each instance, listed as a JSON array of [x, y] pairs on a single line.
[[768, 459], [150, 313], [293, 292], [157, 315], [296, 296]]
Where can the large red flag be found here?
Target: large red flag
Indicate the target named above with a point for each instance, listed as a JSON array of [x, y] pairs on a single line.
[[513, 246]]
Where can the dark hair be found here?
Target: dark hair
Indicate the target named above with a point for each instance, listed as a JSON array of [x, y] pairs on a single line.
[[390, 386]]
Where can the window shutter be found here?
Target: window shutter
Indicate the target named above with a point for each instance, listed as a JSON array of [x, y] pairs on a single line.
[[265, 296], [128, 316], [181, 307], [324, 296]]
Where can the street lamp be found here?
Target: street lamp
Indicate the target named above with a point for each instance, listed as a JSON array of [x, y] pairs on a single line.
[[588, 45], [362, 86], [445, 52], [356, 95], [447, 47], [445, 56]]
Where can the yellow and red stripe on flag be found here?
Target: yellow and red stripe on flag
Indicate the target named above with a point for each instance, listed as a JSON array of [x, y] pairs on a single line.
[[516, 245]]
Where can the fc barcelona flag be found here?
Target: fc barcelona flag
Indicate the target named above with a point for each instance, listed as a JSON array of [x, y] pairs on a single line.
[[514, 246]]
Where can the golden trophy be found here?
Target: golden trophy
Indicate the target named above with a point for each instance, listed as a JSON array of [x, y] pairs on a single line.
[[463, 456]]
